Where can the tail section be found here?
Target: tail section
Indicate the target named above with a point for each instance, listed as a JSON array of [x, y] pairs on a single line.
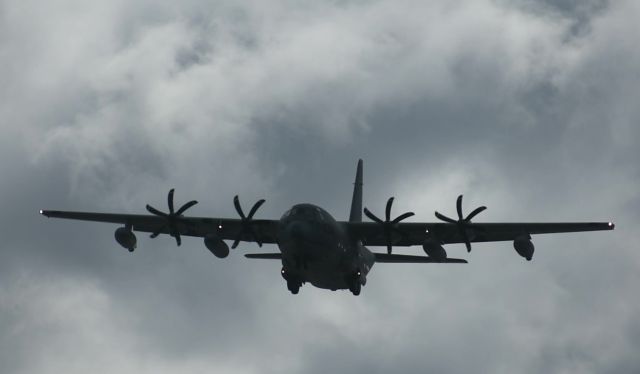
[[356, 200]]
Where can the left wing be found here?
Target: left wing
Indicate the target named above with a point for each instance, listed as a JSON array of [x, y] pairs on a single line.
[[408, 234], [224, 228]]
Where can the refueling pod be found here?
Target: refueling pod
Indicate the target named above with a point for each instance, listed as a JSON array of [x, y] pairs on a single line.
[[126, 238], [434, 250], [524, 246], [216, 245]]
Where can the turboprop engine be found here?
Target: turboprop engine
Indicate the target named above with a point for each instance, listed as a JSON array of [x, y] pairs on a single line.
[[434, 250], [126, 238], [216, 245], [524, 246]]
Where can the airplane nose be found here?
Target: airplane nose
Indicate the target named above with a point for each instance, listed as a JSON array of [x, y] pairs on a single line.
[[298, 230]]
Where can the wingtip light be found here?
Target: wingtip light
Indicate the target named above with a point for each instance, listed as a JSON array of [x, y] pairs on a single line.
[[612, 225], [41, 211]]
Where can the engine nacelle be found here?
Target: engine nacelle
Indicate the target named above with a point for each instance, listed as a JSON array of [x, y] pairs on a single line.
[[216, 245], [126, 238], [524, 246], [434, 250]]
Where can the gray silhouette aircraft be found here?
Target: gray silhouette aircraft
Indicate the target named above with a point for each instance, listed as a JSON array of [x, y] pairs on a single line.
[[316, 248]]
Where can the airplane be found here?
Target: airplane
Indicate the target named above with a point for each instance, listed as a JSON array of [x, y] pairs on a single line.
[[316, 248]]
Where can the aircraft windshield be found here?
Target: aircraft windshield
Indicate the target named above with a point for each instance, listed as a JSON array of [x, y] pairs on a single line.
[[305, 212]]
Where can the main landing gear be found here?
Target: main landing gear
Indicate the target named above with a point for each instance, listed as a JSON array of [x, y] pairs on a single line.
[[354, 283], [293, 286], [355, 288], [293, 283]]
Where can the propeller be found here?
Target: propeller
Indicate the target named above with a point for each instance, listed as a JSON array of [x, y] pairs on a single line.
[[388, 225], [462, 223], [246, 222], [172, 218]]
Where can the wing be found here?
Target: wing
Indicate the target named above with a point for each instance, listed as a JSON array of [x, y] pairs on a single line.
[[264, 256], [225, 228], [372, 234], [406, 259]]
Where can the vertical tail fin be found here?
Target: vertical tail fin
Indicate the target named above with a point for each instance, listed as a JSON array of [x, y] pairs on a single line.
[[356, 200]]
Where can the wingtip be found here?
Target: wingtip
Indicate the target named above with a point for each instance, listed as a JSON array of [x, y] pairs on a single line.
[[49, 213], [612, 225]]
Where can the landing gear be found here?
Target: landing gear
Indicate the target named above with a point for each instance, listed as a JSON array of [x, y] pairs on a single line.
[[293, 286], [355, 288], [293, 283]]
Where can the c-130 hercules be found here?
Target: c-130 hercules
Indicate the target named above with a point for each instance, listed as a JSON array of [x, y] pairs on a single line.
[[316, 248]]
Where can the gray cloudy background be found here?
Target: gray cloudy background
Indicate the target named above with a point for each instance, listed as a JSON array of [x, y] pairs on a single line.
[[529, 107]]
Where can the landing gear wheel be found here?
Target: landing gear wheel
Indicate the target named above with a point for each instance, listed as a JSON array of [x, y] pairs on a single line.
[[355, 288], [293, 286]]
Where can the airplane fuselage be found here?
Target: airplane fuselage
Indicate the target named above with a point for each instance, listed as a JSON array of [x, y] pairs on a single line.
[[317, 249]]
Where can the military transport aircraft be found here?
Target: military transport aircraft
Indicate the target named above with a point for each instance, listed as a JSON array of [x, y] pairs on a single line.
[[316, 248]]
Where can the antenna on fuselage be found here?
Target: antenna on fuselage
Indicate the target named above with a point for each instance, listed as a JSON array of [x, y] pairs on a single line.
[[356, 200]]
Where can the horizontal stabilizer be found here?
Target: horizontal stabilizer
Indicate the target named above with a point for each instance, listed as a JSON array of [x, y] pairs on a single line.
[[406, 259], [265, 256]]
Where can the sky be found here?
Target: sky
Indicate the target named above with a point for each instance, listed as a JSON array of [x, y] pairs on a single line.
[[527, 107]]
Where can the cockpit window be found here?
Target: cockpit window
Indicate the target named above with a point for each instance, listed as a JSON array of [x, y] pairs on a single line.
[[320, 215], [309, 213], [306, 212]]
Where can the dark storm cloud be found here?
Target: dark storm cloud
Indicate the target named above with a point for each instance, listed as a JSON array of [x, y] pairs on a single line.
[[526, 107]]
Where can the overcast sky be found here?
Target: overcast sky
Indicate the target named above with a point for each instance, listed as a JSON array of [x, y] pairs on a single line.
[[528, 107]]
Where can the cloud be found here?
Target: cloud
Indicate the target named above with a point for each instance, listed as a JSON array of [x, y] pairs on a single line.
[[527, 107]]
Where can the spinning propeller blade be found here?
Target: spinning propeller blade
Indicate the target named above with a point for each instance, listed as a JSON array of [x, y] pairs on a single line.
[[172, 218], [389, 226], [246, 222], [462, 223]]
